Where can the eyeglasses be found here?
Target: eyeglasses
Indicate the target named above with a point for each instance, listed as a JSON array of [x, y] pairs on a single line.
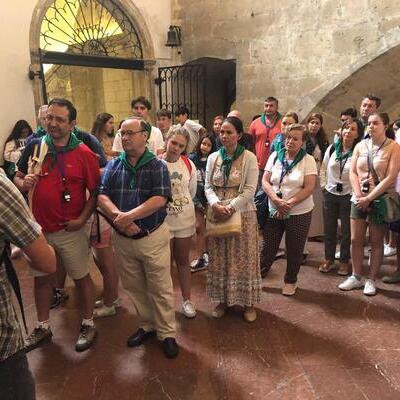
[[130, 133]]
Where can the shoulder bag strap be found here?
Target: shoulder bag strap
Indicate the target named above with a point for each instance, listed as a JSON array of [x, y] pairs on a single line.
[[13, 279], [371, 168]]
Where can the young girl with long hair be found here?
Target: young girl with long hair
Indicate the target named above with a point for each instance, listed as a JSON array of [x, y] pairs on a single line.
[[205, 146], [180, 210]]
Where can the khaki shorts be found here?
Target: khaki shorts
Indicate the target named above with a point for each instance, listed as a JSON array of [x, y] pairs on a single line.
[[72, 250]]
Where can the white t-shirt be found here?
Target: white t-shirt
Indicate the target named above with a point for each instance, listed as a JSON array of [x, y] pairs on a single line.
[[154, 143], [330, 173], [292, 182], [180, 211], [193, 128]]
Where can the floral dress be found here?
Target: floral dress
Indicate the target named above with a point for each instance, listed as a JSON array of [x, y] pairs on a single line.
[[234, 271]]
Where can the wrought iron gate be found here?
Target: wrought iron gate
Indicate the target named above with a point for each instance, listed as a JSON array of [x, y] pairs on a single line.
[[183, 85]]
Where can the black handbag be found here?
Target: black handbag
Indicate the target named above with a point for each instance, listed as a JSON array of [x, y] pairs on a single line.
[[261, 202]]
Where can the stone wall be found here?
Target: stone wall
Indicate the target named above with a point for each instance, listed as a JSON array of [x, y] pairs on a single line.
[[296, 51]]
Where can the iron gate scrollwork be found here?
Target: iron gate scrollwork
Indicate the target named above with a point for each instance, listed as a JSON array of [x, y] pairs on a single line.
[[183, 85], [91, 28]]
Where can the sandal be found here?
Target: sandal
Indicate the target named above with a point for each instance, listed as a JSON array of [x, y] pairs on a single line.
[[219, 311], [344, 269], [326, 266]]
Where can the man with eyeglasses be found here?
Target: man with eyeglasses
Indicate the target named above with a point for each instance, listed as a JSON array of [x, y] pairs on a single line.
[[59, 293], [155, 142], [134, 190], [57, 171]]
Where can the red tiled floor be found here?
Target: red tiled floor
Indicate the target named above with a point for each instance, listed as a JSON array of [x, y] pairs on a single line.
[[321, 344]]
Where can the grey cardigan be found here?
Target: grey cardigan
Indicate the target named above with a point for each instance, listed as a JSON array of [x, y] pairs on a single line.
[[245, 199]]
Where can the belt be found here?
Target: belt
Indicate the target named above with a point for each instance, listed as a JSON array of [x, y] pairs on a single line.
[[145, 233], [139, 235]]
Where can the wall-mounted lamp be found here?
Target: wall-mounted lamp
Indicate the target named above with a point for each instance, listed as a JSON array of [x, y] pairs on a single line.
[[32, 74], [174, 36]]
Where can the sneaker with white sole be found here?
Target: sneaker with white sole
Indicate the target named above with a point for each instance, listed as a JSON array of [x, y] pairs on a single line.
[[100, 303], [188, 308], [369, 287], [104, 311], [37, 337], [198, 265], [389, 251], [351, 283], [86, 338]]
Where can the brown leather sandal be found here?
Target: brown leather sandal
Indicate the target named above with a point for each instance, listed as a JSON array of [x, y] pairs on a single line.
[[344, 269], [327, 266]]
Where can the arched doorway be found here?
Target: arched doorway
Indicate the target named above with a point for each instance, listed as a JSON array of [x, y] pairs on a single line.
[[220, 86], [206, 86], [92, 52]]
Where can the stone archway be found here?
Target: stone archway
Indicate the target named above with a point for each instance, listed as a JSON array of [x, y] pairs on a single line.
[[373, 72], [379, 76], [129, 11]]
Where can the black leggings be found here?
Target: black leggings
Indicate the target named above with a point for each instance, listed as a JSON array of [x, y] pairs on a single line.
[[296, 228]]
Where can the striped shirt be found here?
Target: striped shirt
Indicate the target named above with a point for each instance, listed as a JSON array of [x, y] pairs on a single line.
[[18, 227], [151, 180]]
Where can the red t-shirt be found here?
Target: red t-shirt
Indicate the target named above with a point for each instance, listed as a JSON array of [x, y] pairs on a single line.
[[81, 170], [261, 136]]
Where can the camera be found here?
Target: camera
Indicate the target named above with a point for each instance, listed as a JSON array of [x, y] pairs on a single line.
[[339, 187], [365, 187]]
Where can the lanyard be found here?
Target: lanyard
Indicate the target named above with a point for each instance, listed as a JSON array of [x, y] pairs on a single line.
[[342, 165], [285, 170], [269, 127], [61, 166]]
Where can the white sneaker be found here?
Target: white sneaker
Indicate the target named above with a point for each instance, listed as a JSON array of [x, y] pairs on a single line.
[[389, 251], [100, 303], [370, 288], [104, 311], [351, 283], [188, 308], [337, 255]]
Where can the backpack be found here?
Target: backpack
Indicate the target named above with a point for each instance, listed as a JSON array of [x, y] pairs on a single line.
[[261, 202], [187, 163]]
